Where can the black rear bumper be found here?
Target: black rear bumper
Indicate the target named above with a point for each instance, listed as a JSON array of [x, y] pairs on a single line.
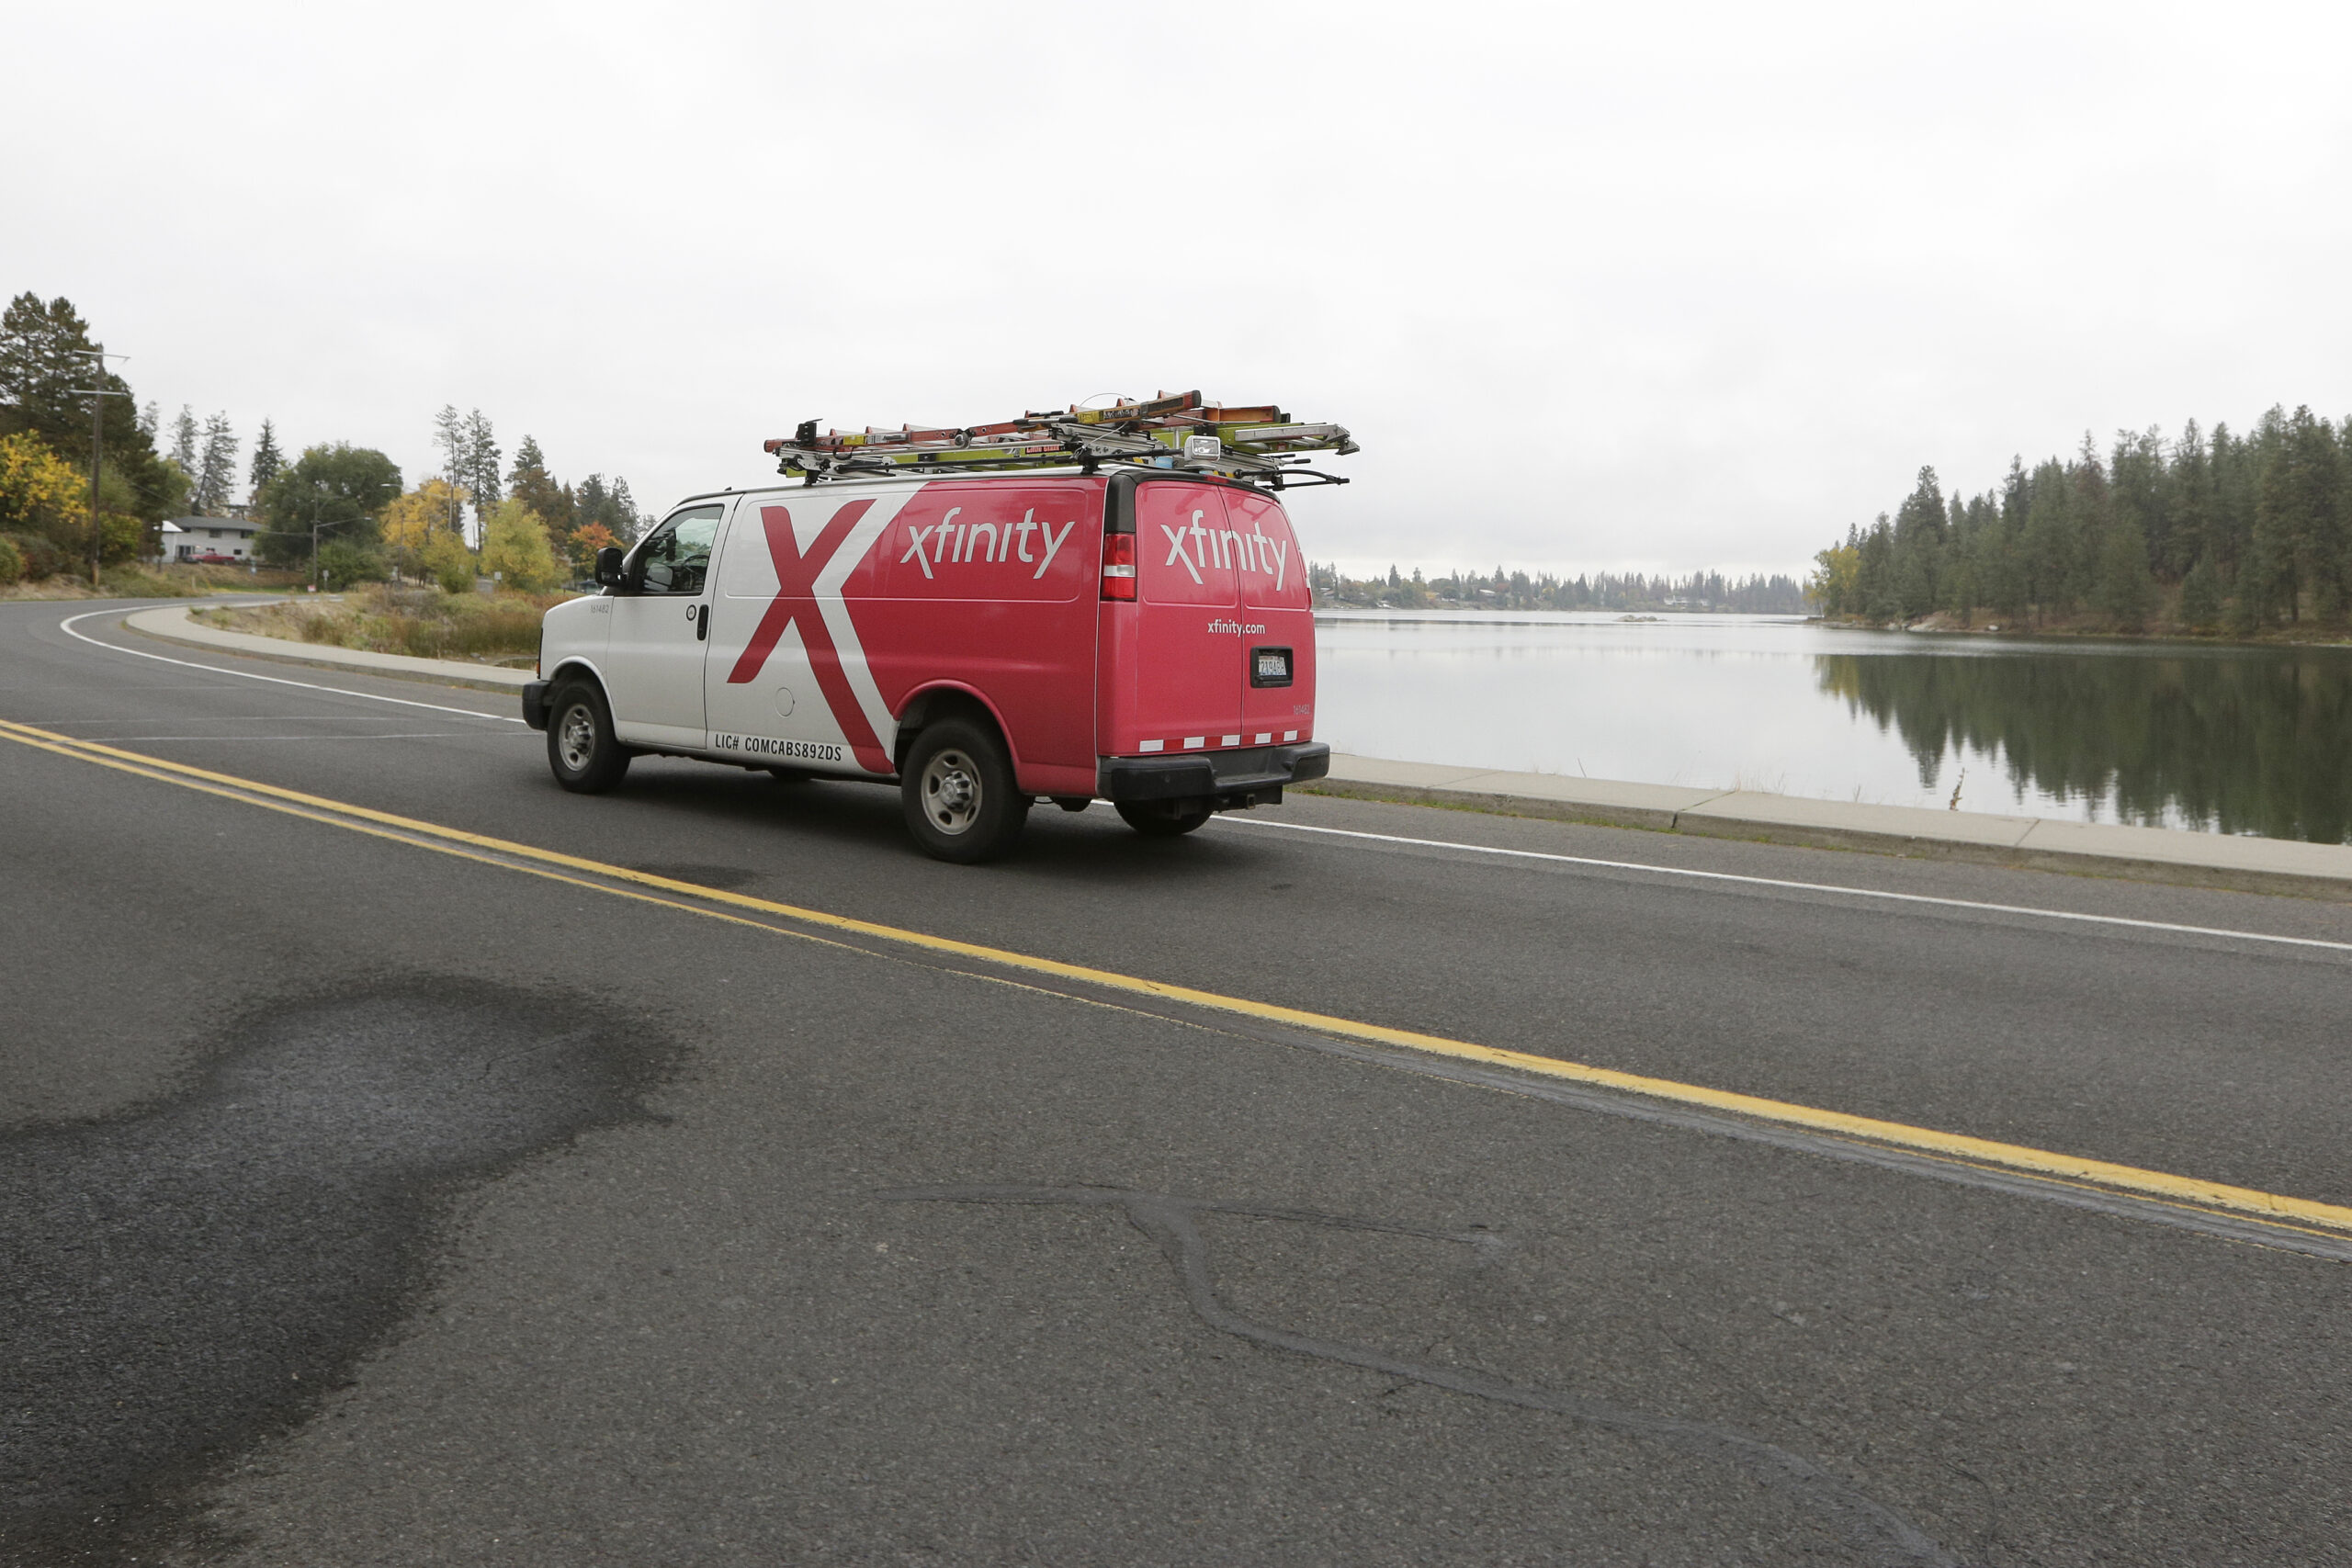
[[1222, 781]]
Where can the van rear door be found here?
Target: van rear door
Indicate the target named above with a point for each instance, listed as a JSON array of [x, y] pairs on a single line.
[[1188, 605], [1277, 623]]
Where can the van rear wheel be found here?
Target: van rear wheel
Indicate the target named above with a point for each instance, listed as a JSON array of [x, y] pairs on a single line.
[[1157, 821], [958, 792], [583, 752]]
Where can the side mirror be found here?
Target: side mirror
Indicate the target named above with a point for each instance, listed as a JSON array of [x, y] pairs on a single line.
[[608, 567]]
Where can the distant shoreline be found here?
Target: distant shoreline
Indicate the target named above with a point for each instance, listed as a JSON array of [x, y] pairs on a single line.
[[1938, 625]]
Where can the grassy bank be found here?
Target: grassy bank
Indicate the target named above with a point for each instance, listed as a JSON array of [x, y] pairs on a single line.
[[422, 622], [178, 580]]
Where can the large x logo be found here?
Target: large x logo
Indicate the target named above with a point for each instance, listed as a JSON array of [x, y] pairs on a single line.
[[796, 600]]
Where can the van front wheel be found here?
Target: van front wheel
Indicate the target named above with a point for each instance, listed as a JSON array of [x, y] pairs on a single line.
[[582, 751], [960, 799]]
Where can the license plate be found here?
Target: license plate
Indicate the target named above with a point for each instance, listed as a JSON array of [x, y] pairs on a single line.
[[1270, 666]]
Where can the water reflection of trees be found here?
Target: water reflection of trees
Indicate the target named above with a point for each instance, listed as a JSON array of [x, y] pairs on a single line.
[[2256, 743]]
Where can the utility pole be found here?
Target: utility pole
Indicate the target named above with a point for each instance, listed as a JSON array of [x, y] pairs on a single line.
[[319, 497], [99, 395]]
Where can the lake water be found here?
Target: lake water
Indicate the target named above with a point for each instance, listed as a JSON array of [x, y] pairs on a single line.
[[2226, 739]]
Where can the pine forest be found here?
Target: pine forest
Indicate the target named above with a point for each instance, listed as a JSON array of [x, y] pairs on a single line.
[[2213, 532]]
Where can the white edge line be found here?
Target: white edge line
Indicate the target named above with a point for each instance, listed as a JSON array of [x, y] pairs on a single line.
[[1805, 886], [66, 626]]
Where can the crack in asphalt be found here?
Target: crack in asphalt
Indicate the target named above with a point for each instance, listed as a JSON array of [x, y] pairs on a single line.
[[1171, 1222]]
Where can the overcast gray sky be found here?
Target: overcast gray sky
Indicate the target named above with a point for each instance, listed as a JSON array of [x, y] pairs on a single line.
[[1604, 286]]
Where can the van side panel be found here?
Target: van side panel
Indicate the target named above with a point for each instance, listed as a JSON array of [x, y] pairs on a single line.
[[786, 677], [990, 587]]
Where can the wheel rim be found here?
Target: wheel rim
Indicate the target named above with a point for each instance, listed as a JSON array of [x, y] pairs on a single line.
[[576, 740], [951, 792]]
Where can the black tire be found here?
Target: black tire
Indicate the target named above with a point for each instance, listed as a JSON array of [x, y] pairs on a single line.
[[957, 790], [1158, 821], [583, 752]]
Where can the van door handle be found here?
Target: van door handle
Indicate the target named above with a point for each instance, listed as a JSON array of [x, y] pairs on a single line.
[[702, 622]]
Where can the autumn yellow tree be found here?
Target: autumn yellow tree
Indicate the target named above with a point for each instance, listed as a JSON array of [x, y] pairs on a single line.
[[39, 492], [514, 549], [1835, 587], [583, 545], [434, 507]]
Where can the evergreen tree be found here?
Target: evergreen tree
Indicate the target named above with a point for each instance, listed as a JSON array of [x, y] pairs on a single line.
[[1917, 560], [216, 469], [1874, 582], [530, 483], [44, 351], [2191, 477], [2126, 591], [627, 521], [2266, 579], [268, 460], [183, 433], [2298, 527], [482, 467], [2200, 596], [610, 505], [449, 434]]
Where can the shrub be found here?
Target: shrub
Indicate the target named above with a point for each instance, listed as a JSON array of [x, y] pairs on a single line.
[[342, 563], [451, 564], [12, 564], [121, 537], [40, 558]]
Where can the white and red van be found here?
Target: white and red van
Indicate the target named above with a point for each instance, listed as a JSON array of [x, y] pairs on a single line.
[[1142, 637]]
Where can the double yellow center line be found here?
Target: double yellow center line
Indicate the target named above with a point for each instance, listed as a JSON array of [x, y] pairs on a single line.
[[2212, 1197]]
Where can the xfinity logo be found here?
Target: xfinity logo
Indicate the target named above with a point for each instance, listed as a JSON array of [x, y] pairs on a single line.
[[950, 541], [1225, 547], [1235, 628]]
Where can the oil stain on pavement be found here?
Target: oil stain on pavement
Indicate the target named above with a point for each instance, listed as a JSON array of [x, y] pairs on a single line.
[[191, 1278]]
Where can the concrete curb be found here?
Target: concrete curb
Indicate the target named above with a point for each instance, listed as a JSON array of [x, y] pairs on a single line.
[[2147, 854], [171, 624]]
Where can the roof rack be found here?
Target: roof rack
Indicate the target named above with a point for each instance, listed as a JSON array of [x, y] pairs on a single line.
[[1258, 445]]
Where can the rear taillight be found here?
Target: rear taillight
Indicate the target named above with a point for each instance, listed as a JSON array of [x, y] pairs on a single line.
[[1119, 566]]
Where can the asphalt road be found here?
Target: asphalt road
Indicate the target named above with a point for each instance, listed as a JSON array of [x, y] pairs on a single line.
[[369, 1204]]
